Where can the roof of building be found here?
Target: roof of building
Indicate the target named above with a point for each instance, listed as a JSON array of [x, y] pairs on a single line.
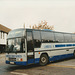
[[4, 29]]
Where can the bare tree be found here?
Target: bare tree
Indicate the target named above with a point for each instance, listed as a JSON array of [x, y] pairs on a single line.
[[74, 32], [42, 25]]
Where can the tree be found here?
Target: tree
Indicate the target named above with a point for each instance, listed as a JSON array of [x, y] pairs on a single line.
[[74, 33], [42, 25]]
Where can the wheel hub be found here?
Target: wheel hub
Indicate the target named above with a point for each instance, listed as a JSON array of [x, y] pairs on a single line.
[[43, 59]]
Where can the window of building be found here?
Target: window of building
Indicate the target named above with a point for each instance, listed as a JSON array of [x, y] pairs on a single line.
[[37, 39], [0, 35], [3, 35], [47, 37], [59, 37]]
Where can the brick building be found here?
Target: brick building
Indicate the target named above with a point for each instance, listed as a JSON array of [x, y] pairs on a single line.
[[3, 36]]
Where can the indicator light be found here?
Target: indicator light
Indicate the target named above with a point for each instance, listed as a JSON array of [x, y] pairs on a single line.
[[39, 52], [21, 59]]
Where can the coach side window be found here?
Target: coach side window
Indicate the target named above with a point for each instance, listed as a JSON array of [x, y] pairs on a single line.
[[47, 37], [73, 37], [37, 39], [68, 37], [59, 37]]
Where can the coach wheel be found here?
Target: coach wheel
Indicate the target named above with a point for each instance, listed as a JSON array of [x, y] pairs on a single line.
[[43, 59]]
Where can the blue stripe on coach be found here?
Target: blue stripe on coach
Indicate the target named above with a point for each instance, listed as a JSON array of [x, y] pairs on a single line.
[[17, 63], [59, 45], [59, 57], [64, 45]]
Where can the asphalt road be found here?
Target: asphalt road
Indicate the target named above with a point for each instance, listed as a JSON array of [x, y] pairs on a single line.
[[64, 67]]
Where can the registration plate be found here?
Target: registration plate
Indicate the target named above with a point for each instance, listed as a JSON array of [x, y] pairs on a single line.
[[11, 62]]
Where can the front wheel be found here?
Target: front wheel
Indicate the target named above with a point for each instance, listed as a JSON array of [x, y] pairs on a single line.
[[43, 60]]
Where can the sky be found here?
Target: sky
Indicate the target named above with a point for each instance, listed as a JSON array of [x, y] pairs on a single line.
[[59, 13]]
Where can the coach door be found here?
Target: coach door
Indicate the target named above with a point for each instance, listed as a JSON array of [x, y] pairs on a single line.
[[30, 48]]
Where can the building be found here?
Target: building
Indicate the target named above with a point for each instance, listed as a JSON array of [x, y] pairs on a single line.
[[3, 36]]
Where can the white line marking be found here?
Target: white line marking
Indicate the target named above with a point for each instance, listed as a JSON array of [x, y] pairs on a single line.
[[18, 73]]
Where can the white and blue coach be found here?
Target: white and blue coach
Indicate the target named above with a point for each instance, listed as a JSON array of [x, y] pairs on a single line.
[[28, 46]]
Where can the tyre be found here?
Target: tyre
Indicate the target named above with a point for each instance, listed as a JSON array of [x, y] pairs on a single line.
[[43, 60]]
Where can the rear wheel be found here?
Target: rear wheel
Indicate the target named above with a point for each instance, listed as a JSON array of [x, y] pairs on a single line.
[[43, 60]]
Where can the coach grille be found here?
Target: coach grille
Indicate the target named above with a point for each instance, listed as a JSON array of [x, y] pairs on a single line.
[[12, 59]]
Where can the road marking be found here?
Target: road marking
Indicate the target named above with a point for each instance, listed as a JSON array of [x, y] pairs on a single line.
[[18, 73], [54, 65]]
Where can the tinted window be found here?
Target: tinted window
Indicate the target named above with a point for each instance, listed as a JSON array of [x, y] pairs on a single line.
[[37, 40], [16, 33], [47, 37], [73, 37], [68, 37], [59, 37], [29, 42]]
